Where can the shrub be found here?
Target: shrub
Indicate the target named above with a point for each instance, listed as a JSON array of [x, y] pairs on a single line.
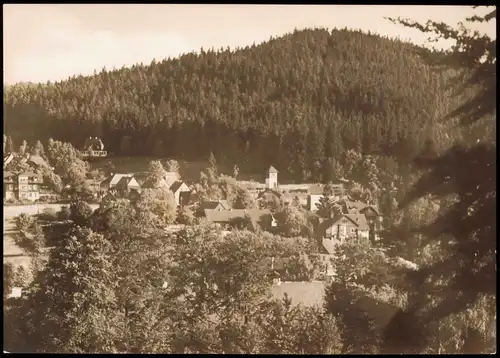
[[49, 214], [64, 214]]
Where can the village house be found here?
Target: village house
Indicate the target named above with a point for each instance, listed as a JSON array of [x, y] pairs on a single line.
[[114, 179], [218, 205], [371, 212], [93, 148], [181, 193], [121, 184], [35, 161], [126, 188], [180, 189], [226, 218], [127, 184], [23, 186], [112, 196], [316, 193], [333, 232]]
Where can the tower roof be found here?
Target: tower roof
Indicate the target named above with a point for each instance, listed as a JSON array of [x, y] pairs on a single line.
[[272, 169]]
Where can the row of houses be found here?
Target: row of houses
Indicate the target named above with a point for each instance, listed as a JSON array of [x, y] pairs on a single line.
[[128, 186], [356, 219]]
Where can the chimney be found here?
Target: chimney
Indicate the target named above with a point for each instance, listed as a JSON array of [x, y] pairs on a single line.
[[272, 263]]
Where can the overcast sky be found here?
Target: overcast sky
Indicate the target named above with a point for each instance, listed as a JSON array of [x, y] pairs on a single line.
[[51, 42]]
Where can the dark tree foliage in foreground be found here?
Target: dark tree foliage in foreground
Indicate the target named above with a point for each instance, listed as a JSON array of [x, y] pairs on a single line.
[[465, 233], [303, 99]]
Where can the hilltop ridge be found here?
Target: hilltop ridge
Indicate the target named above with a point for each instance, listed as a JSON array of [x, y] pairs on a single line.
[[295, 101]]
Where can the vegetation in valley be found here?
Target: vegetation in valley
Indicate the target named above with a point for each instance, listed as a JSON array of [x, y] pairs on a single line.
[[117, 281]]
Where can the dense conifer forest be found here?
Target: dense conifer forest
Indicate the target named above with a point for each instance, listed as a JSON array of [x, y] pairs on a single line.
[[297, 102]]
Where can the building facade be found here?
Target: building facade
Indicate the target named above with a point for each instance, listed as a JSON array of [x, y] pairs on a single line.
[[24, 186]]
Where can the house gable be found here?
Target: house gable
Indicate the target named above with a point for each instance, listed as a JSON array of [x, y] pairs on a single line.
[[369, 211], [179, 186]]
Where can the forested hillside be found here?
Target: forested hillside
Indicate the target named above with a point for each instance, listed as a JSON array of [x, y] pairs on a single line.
[[294, 102]]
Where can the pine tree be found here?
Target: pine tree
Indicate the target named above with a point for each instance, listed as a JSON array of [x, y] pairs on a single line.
[[38, 149], [466, 232], [212, 165], [327, 206], [9, 146]]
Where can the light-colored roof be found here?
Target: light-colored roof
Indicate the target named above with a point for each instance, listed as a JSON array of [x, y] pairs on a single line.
[[226, 216], [317, 189], [313, 294], [8, 158], [126, 183], [272, 169], [305, 293], [115, 178], [359, 220], [39, 161], [329, 245], [179, 185]]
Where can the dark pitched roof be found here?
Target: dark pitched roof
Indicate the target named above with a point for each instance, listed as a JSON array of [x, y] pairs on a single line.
[[272, 169], [122, 183], [30, 174], [149, 184], [125, 183], [373, 207], [110, 195], [380, 312], [211, 205], [8, 177], [354, 205], [105, 182], [175, 186], [357, 219], [93, 142], [269, 191]]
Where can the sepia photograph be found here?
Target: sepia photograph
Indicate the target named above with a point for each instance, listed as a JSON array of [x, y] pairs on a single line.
[[249, 179]]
